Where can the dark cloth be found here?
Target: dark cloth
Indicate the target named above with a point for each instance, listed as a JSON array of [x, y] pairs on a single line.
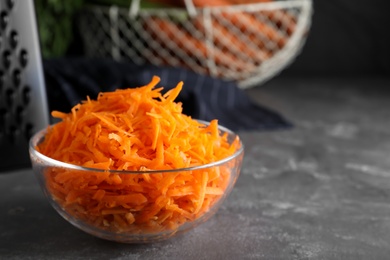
[[70, 80]]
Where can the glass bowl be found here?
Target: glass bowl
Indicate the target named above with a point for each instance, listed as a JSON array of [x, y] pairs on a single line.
[[142, 213]]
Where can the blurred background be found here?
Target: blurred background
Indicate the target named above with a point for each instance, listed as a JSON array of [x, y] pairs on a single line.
[[346, 37]]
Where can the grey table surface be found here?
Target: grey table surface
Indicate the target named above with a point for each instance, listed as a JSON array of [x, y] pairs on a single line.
[[320, 190]]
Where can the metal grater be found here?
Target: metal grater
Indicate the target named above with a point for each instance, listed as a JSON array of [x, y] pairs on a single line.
[[23, 104]]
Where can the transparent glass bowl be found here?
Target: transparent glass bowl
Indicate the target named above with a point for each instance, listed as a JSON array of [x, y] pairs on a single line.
[[143, 213]]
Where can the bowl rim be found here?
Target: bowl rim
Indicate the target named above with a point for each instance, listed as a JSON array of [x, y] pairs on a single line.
[[38, 136]]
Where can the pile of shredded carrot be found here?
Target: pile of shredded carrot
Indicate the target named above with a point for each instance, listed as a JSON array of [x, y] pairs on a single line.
[[136, 129]]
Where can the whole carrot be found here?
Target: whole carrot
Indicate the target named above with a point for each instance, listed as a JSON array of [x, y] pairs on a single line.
[[204, 3], [242, 45], [192, 46], [282, 19], [241, 2], [248, 23]]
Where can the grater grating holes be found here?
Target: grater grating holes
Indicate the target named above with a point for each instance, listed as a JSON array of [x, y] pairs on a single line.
[[1, 80], [23, 58], [13, 123], [23, 103], [3, 19], [26, 93], [16, 77], [14, 39], [10, 3], [7, 59]]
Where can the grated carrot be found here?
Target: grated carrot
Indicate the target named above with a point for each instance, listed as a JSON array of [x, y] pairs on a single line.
[[136, 129]]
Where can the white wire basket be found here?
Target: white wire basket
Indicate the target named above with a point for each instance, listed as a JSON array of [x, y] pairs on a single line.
[[247, 43]]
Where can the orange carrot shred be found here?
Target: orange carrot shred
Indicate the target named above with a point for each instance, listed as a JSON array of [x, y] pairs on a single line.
[[136, 129]]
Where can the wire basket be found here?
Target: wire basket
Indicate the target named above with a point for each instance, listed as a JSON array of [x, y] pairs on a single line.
[[247, 43]]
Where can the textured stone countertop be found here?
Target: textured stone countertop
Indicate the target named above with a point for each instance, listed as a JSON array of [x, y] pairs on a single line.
[[320, 190]]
